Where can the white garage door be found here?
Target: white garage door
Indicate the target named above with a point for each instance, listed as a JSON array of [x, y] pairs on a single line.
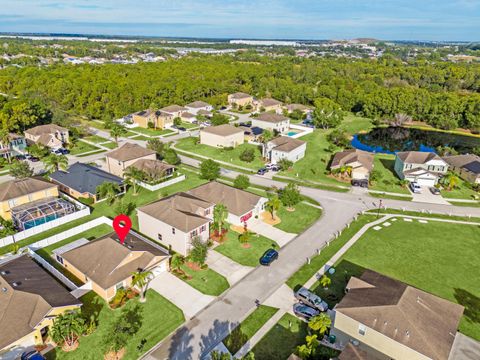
[[426, 182], [160, 268]]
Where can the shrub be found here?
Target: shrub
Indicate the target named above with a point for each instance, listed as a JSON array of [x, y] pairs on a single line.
[[247, 155], [241, 182], [85, 200]]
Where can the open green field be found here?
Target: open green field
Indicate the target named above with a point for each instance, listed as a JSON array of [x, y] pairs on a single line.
[[435, 257], [159, 317], [206, 281], [229, 156], [299, 220], [81, 147], [233, 249]]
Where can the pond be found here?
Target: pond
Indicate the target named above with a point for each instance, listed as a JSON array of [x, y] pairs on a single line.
[[389, 140]]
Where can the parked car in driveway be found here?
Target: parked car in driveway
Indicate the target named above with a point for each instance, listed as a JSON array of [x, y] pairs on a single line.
[[415, 187], [262, 171], [34, 159], [304, 311], [434, 190], [268, 257], [307, 297]]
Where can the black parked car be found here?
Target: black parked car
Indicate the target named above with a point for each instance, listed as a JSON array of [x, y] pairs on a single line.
[[268, 257], [262, 171], [304, 311], [362, 183], [34, 159]]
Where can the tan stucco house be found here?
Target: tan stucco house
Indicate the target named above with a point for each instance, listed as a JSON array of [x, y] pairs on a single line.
[[392, 320], [273, 122], [361, 163], [126, 155], [269, 105], [30, 299], [157, 119], [107, 265], [240, 99], [51, 135], [299, 107], [224, 135], [467, 166]]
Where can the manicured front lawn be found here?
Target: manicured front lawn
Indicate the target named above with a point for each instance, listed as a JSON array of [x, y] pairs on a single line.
[[229, 156], [81, 147], [299, 220], [388, 196], [206, 281], [96, 139], [436, 257], [159, 318], [233, 249], [151, 132], [462, 191], [110, 145], [389, 180], [248, 328]]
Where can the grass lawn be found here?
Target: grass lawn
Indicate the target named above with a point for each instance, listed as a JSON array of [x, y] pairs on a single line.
[[206, 281], [151, 132], [96, 139], [110, 145], [233, 249], [462, 191], [130, 134], [92, 153], [81, 147], [299, 220], [469, 204], [435, 257], [188, 125], [159, 318], [229, 156], [387, 196], [354, 124], [248, 327], [141, 137], [389, 181], [96, 124]]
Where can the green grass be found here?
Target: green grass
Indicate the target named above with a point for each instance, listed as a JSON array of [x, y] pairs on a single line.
[[233, 249], [462, 191], [355, 124], [389, 180], [248, 328], [130, 133], [435, 257], [81, 147], [92, 153], [415, 213], [96, 139], [95, 124], [465, 204], [151, 132], [392, 197], [188, 125], [299, 220], [317, 262], [229, 156], [206, 281], [110, 145], [141, 138], [159, 318]]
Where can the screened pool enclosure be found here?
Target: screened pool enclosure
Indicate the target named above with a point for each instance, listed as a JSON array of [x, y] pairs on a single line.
[[40, 212]]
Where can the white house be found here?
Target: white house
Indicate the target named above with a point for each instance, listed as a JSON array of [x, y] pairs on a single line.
[[272, 122], [425, 168], [224, 135], [285, 147], [196, 106]]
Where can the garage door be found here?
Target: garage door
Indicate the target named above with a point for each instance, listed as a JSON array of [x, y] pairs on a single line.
[[160, 268], [426, 182]]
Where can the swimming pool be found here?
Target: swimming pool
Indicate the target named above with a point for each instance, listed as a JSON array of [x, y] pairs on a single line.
[[292, 133]]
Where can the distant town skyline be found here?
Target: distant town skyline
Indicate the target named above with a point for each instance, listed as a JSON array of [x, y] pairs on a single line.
[[454, 20]]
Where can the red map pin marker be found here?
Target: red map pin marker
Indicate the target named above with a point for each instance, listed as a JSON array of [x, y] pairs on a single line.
[[122, 225]]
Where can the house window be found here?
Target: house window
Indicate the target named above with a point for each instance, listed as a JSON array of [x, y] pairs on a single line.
[[160, 237], [119, 286], [194, 233], [173, 231], [203, 228], [362, 329], [207, 211]]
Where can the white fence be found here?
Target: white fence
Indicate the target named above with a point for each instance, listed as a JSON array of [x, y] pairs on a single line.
[[162, 184], [304, 130]]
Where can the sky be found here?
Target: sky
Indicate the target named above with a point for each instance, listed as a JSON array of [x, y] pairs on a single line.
[[452, 20]]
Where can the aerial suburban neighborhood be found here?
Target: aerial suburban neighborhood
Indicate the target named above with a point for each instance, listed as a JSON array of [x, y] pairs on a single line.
[[208, 198]]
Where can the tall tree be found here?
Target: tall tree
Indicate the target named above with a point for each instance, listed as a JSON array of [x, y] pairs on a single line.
[[67, 329], [272, 205], [220, 214], [141, 279], [209, 170], [327, 113], [320, 323], [133, 176], [55, 162], [117, 131], [20, 170], [108, 191]]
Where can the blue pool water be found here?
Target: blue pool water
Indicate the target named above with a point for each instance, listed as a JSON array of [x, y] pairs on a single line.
[[291, 133], [39, 221]]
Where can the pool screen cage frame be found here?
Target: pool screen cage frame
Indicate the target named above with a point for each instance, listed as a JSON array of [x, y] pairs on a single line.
[[39, 211]]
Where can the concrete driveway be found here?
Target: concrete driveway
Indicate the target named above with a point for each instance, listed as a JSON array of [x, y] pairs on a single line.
[[225, 266], [188, 299], [464, 348], [425, 196], [279, 236]]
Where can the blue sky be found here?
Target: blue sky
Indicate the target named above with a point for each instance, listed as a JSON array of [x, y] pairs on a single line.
[[286, 19]]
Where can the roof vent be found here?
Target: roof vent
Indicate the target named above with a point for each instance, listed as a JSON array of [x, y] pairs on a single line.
[[407, 333], [4, 289], [4, 272], [16, 283], [129, 246]]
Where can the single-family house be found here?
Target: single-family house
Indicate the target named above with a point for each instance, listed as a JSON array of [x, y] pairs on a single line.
[[196, 106], [273, 122], [127, 154], [467, 166], [252, 133], [16, 146], [174, 111], [285, 147], [392, 320], [189, 117], [240, 99], [269, 105], [30, 299], [224, 135], [425, 168], [297, 107], [361, 163], [205, 113], [154, 169], [242, 205], [157, 119], [176, 220], [50, 135], [107, 265], [82, 180], [15, 193]]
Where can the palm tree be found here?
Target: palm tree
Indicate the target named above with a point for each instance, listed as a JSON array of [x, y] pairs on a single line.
[[272, 205], [5, 140], [245, 237], [325, 281], [141, 279], [133, 176], [116, 131], [266, 137], [320, 323], [67, 328], [220, 214], [176, 262], [108, 190], [55, 162], [451, 181]]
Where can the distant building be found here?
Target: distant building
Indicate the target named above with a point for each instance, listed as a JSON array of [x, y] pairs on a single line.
[[126, 155], [155, 119], [240, 99], [16, 146], [361, 163], [174, 110], [467, 166], [269, 105], [425, 168], [285, 147], [51, 135], [196, 106], [272, 122], [224, 135], [292, 107]]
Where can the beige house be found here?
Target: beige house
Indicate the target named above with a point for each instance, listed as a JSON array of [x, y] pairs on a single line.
[[107, 265], [154, 169], [269, 105], [30, 299], [51, 135], [392, 320], [176, 220], [467, 166], [224, 135], [174, 111], [361, 163], [240, 99], [126, 155], [273, 122], [196, 106], [300, 107], [157, 119], [15, 193]]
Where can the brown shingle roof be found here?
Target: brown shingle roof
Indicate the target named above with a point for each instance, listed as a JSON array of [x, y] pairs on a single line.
[[286, 143], [240, 95], [417, 157], [354, 353], [197, 104], [23, 306], [462, 161], [182, 211], [293, 107], [173, 108], [238, 202], [45, 129], [222, 130], [412, 317], [15, 188], [347, 157], [151, 167], [270, 102], [107, 262], [129, 151], [272, 118]]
